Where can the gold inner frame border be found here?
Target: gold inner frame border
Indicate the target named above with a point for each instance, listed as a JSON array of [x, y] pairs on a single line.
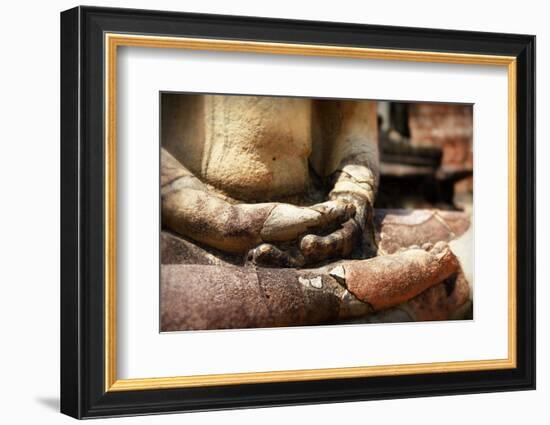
[[113, 40]]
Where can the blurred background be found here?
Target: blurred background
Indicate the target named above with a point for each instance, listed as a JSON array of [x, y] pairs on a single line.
[[426, 156]]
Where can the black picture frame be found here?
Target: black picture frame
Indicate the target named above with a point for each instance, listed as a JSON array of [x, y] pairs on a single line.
[[83, 392]]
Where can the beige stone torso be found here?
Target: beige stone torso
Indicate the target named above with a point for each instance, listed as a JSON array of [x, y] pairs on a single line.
[[250, 148], [260, 148]]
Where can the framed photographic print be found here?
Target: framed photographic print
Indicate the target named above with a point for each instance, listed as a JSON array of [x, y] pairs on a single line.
[[262, 212]]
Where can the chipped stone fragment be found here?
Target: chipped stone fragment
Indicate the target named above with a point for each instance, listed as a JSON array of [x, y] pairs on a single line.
[[351, 307], [316, 282], [339, 274], [303, 280]]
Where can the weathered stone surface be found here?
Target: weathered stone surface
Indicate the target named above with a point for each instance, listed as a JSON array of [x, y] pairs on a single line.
[[445, 301], [338, 244], [448, 300], [237, 143], [209, 297], [396, 229], [440, 302], [390, 280], [212, 221], [212, 294], [227, 155], [176, 250], [222, 297], [227, 159], [195, 297], [294, 300], [286, 222]]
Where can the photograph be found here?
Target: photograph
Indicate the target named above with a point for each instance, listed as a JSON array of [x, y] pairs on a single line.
[[292, 211]]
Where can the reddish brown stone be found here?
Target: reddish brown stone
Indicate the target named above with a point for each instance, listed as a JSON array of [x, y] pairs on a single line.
[[447, 126], [441, 302], [390, 280], [396, 229], [195, 297], [213, 294], [209, 297]]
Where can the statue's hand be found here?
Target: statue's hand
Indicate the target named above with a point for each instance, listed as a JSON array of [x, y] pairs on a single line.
[[364, 220], [338, 244], [329, 231], [287, 223], [190, 209], [356, 233]]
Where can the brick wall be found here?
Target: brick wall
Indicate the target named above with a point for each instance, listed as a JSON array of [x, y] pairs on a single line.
[[447, 126]]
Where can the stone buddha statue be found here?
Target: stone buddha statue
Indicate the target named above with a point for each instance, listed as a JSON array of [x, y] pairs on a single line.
[[288, 183]]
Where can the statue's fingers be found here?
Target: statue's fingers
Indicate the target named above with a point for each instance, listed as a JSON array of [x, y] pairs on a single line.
[[286, 222], [334, 212], [270, 256], [339, 243]]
